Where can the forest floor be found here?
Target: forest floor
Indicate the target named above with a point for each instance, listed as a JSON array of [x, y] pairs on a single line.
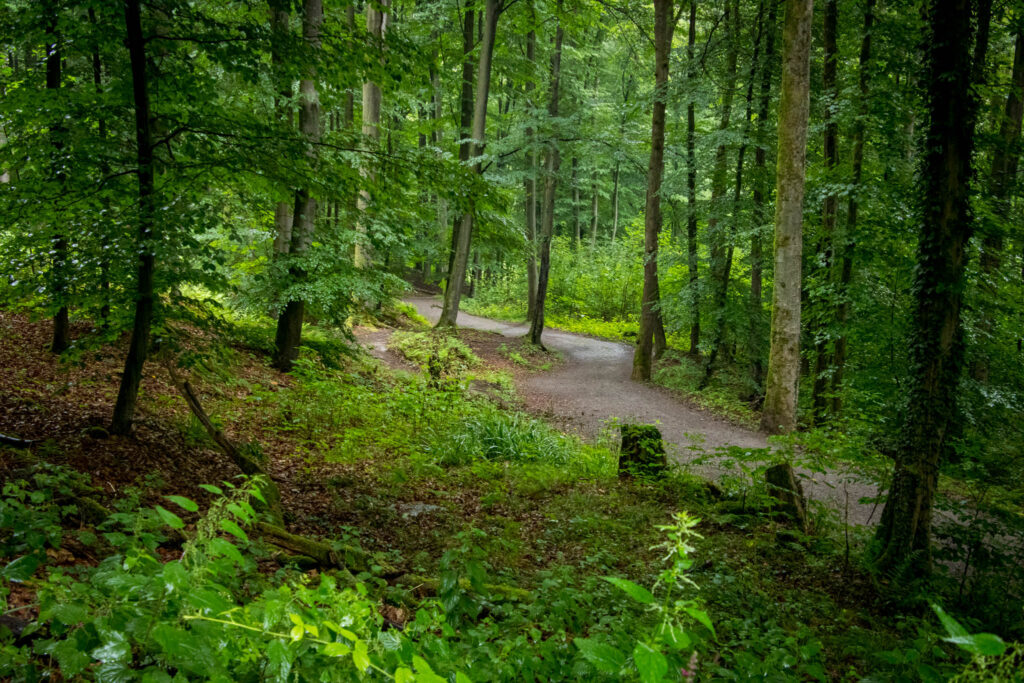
[[592, 389]]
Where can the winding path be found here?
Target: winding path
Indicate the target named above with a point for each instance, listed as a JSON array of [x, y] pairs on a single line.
[[594, 385]]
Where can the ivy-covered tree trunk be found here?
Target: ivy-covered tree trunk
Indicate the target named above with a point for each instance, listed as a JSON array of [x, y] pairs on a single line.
[[760, 197], [550, 186], [61, 338], [936, 343], [649, 315], [825, 307], [692, 262], [146, 237], [847, 240], [779, 413], [289, 322], [464, 229]]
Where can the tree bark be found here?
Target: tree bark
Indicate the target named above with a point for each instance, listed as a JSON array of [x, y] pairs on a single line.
[[719, 238], [779, 414], [846, 243], [936, 346], [289, 322], [760, 198], [464, 231], [376, 26], [530, 182], [61, 338], [550, 185], [692, 263], [649, 314], [823, 328], [146, 239], [279, 21], [594, 215]]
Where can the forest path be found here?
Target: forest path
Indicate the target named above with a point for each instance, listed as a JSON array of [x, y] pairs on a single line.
[[593, 385]]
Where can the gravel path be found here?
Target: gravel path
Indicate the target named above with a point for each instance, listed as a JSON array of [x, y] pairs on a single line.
[[594, 385]]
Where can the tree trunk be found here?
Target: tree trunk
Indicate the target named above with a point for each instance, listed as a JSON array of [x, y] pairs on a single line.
[[594, 215], [376, 26], [936, 349], [760, 197], [530, 183], [138, 345], [1000, 183], [279, 34], [650, 317], [847, 241], [550, 185], [61, 339], [719, 239], [289, 322], [464, 233], [691, 187], [465, 115], [822, 360], [779, 413], [574, 180], [101, 129], [615, 201]]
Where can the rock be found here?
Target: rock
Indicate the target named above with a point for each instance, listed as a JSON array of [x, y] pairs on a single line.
[[413, 510], [784, 486], [642, 452]]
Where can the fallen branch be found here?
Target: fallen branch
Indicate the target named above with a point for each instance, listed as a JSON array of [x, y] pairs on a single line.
[[15, 442], [430, 586]]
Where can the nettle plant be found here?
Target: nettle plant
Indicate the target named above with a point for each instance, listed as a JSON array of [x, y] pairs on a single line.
[[206, 615], [673, 642]]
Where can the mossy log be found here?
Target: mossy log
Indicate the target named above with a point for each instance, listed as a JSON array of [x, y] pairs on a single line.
[[324, 554], [642, 452]]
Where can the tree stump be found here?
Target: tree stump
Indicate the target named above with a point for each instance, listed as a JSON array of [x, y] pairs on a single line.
[[784, 486], [642, 452]]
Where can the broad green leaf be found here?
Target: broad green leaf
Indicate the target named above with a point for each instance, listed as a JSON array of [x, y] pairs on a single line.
[[170, 519], [603, 656], [232, 528], [227, 549], [21, 569], [951, 625], [279, 663], [404, 675], [183, 503], [984, 644], [651, 664], [360, 656], [635, 591], [336, 649], [210, 488], [702, 617]]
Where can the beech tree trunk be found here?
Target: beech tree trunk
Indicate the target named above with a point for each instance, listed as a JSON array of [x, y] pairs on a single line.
[[464, 231], [376, 26], [61, 339], [822, 355], [146, 239], [760, 197], [650, 317], [719, 238], [845, 244], [530, 183], [691, 188], [779, 413], [550, 185], [279, 21], [289, 322]]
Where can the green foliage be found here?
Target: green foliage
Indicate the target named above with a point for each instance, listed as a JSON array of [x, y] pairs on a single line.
[[439, 352]]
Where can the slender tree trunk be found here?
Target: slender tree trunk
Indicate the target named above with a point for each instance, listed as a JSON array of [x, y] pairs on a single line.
[[279, 27], [530, 180], [101, 126], [145, 299], [574, 180], [615, 200], [464, 232], [848, 239], [719, 238], [594, 215], [1000, 183], [550, 185], [691, 187], [61, 339], [376, 27], [936, 349], [779, 413], [289, 322], [650, 318], [465, 115], [822, 355], [760, 197]]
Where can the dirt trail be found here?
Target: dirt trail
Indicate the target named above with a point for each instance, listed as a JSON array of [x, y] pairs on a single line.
[[594, 385]]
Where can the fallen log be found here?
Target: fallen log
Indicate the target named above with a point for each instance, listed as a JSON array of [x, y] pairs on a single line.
[[430, 586]]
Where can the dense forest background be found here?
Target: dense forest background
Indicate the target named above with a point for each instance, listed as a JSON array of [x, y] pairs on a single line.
[[805, 216]]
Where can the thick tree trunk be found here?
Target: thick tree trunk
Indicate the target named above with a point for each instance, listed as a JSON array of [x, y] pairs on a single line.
[[822, 355], [289, 322], [692, 263], [61, 338], [936, 349], [845, 244], [779, 413], [464, 232], [145, 299], [719, 238], [530, 184], [760, 198], [465, 115], [649, 314], [550, 185]]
